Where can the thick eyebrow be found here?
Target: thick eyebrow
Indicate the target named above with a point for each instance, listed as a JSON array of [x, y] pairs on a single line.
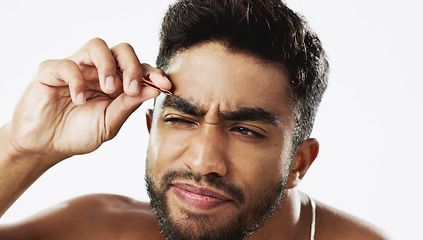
[[255, 114], [252, 114], [183, 105]]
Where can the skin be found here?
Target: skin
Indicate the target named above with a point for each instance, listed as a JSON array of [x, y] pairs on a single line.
[[249, 153], [213, 145]]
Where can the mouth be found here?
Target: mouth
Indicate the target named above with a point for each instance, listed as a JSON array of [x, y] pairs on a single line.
[[199, 197]]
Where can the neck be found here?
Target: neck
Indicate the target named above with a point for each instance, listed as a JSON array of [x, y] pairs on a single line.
[[291, 220]]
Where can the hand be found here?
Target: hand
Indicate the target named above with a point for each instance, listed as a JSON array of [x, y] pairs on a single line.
[[75, 104]]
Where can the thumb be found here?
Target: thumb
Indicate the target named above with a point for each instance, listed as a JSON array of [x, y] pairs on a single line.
[[121, 108]]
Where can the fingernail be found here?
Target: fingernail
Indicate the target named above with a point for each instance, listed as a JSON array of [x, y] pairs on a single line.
[[110, 83], [134, 86], [80, 98]]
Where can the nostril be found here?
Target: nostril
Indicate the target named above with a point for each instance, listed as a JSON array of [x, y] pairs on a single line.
[[213, 175]]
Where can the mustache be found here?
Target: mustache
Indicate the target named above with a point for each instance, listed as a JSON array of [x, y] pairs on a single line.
[[212, 180]]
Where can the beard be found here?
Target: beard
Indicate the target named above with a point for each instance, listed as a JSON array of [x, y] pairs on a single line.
[[253, 210]]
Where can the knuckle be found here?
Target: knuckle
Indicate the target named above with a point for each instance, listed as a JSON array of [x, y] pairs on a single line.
[[96, 41], [44, 69], [56, 65], [44, 65], [125, 45], [146, 65], [67, 64]]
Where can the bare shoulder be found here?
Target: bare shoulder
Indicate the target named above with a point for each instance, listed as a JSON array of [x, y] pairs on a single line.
[[114, 206], [98, 216], [109, 203], [332, 223]]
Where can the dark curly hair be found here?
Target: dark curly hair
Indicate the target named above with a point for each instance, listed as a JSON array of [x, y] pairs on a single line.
[[266, 29]]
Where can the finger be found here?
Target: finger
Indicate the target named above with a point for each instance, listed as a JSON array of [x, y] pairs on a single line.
[[64, 72], [96, 53], [90, 75], [121, 108], [157, 76], [130, 66]]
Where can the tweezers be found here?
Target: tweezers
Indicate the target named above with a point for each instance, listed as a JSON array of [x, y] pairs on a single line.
[[148, 83]]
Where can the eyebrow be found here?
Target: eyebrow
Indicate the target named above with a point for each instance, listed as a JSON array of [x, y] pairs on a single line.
[[242, 114], [183, 105]]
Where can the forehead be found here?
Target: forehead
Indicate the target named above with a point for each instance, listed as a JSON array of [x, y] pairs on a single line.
[[209, 75]]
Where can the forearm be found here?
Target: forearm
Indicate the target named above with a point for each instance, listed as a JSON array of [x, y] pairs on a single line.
[[18, 170]]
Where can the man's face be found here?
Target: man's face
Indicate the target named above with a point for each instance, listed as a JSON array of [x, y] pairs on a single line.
[[220, 148]]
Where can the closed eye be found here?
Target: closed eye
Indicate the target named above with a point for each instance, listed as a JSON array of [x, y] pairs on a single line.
[[180, 122]]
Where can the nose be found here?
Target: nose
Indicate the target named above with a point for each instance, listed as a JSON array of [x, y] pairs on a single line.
[[206, 154]]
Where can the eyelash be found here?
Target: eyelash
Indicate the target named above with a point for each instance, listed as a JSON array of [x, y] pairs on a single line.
[[179, 121], [247, 132], [244, 131]]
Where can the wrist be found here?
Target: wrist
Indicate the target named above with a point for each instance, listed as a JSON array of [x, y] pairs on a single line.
[[13, 154], [18, 170]]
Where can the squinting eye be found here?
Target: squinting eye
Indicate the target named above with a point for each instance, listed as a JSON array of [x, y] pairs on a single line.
[[247, 132], [180, 122]]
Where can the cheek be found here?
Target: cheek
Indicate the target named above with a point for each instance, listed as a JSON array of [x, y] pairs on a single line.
[[164, 149], [256, 168]]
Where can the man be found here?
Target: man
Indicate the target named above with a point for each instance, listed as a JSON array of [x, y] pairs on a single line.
[[227, 149]]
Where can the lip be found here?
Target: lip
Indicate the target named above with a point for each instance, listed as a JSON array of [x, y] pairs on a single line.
[[198, 197]]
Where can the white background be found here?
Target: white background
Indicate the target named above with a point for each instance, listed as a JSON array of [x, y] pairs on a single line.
[[369, 124]]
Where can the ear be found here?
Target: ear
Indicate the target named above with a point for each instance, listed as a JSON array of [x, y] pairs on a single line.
[[149, 118], [305, 155]]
